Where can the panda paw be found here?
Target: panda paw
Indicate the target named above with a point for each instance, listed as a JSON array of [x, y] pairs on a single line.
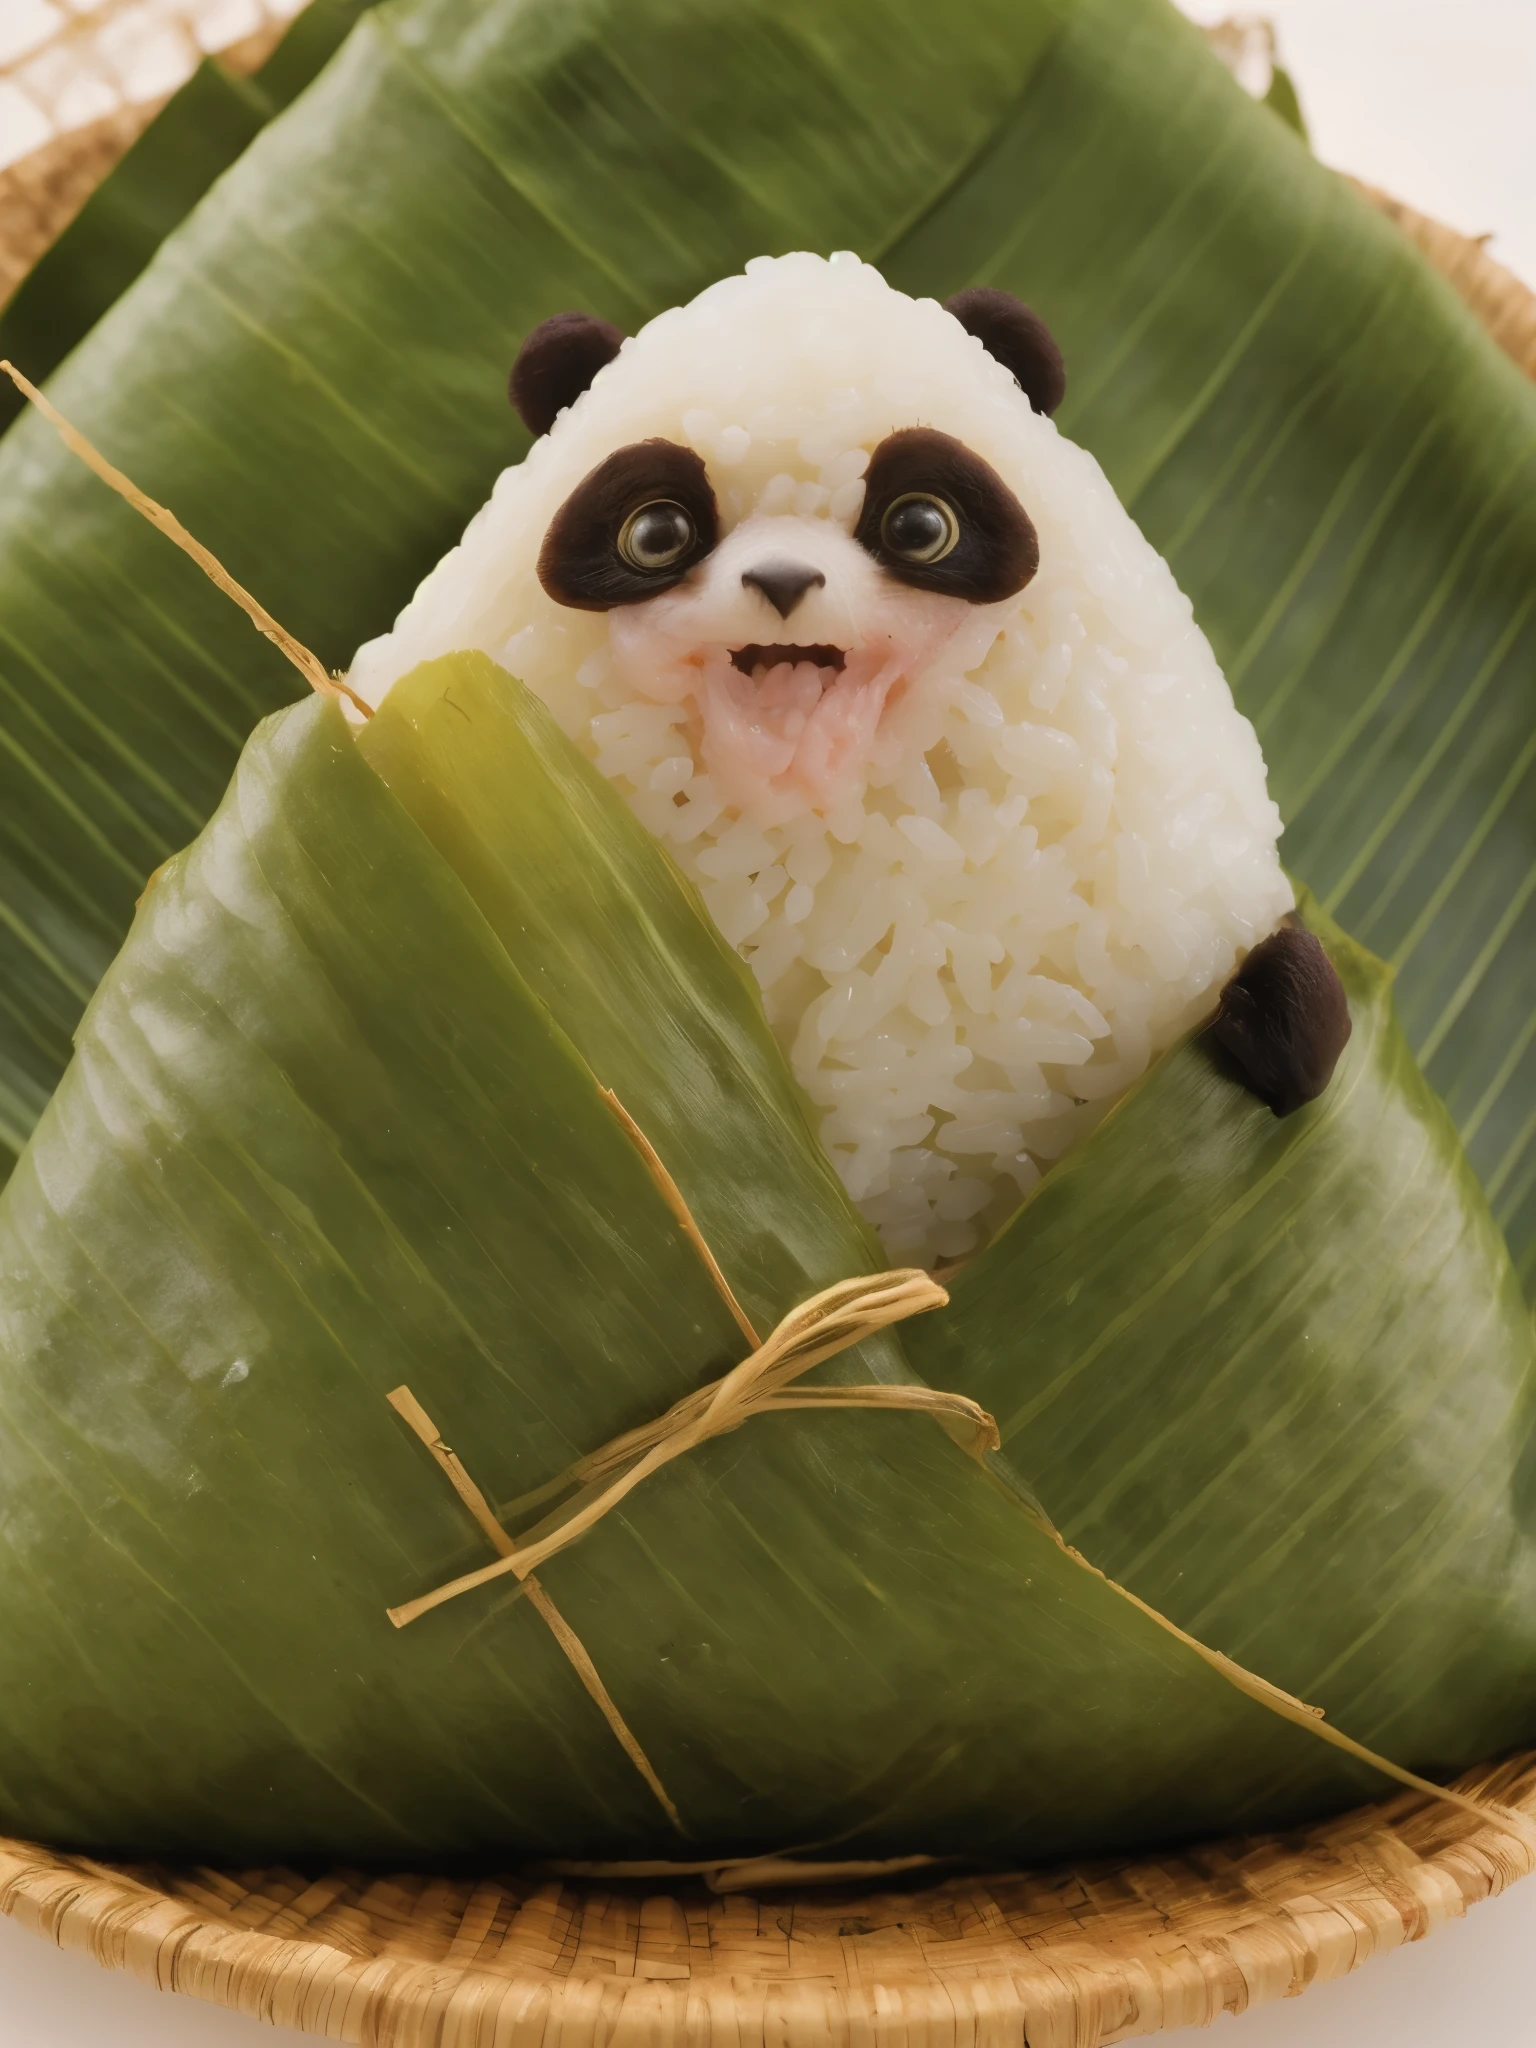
[[1283, 1020]]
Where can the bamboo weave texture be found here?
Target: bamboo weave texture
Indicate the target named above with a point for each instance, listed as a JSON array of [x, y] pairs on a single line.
[[1069, 1958]]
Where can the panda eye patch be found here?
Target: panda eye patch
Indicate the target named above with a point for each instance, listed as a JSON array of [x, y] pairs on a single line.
[[656, 536], [919, 528], [938, 517], [632, 528]]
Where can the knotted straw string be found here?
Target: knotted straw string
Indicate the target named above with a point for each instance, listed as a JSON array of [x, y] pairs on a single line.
[[309, 666], [839, 1317], [829, 1322], [806, 1335]]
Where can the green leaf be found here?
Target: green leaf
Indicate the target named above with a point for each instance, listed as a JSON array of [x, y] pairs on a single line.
[[621, 951], [1277, 1378], [1341, 470], [323, 1135], [1338, 464], [1283, 99], [202, 129]]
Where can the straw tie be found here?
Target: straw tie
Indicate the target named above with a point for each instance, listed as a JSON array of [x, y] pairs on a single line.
[[763, 1384], [829, 1322]]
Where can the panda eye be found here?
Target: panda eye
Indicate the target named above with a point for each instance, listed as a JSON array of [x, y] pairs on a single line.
[[939, 518], [632, 527], [657, 536], [919, 528]]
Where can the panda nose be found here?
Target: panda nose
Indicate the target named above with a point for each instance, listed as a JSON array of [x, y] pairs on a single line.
[[782, 583]]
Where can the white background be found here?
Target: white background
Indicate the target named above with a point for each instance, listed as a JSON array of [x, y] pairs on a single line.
[[1436, 101]]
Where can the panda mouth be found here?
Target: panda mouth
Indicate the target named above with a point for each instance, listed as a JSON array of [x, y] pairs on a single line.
[[757, 659]]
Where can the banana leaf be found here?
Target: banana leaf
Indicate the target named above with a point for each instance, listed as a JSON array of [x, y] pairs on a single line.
[[203, 128], [334, 1123], [1336, 461]]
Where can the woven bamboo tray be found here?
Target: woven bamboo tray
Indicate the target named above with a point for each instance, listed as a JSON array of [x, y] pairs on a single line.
[[1065, 1958]]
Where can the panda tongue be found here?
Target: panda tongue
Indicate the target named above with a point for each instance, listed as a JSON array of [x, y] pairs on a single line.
[[798, 736]]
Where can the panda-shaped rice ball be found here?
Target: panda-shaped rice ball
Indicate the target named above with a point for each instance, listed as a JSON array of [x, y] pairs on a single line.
[[806, 570]]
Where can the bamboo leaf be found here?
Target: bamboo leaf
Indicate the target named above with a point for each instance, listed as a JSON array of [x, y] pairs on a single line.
[[322, 1137], [1335, 460], [1283, 99], [1278, 1379], [622, 953]]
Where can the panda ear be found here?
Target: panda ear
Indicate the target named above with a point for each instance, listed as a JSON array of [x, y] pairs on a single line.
[[556, 364], [1019, 338]]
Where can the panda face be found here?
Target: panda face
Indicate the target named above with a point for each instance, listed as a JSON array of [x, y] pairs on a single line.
[[935, 819], [792, 636]]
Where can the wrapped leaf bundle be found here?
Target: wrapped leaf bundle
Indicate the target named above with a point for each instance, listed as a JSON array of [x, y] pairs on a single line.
[[336, 1125]]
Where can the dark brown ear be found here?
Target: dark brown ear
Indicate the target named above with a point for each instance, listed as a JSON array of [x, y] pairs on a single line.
[[556, 364], [1019, 338]]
